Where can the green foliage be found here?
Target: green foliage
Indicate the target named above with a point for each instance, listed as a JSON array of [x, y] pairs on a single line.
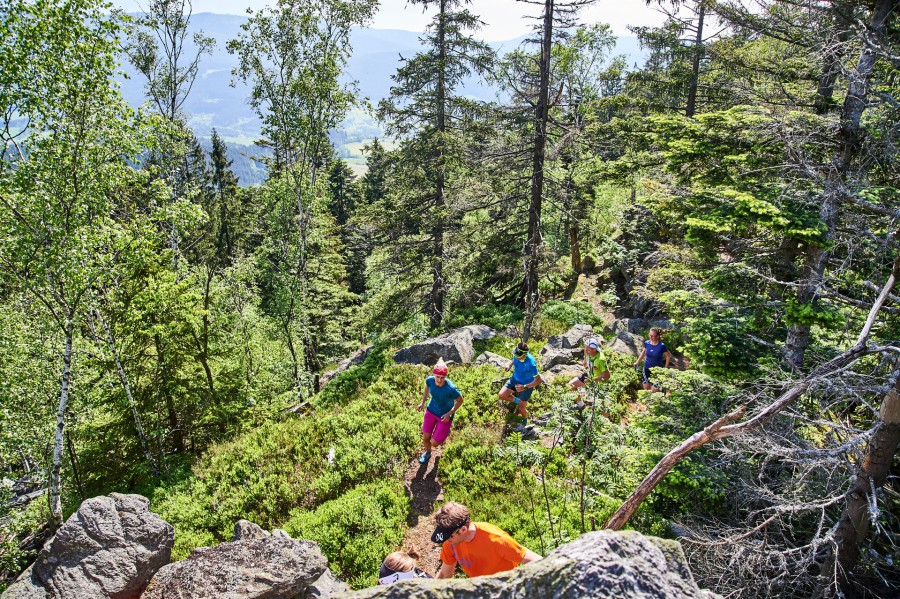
[[16, 525], [498, 317], [821, 313], [356, 530], [570, 313]]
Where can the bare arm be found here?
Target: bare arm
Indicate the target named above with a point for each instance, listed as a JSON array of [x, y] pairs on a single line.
[[424, 397], [668, 357], [641, 357], [530, 556], [446, 417], [602, 376], [536, 382], [447, 570]]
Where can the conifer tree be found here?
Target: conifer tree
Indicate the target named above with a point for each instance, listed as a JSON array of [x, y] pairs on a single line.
[[432, 121]]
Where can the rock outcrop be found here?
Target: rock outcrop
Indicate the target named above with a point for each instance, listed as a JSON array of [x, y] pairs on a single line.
[[624, 565], [110, 547], [566, 348], [493, 359], [626, 343], [270, 567], [455, 347]]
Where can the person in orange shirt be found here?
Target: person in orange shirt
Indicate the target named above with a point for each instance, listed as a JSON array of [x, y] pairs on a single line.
[[478, 548]]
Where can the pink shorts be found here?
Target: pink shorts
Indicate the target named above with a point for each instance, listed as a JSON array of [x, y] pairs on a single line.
[[438, 428]]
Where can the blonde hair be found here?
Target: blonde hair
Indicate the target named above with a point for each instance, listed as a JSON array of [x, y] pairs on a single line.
[[452, 515], [400, 561]]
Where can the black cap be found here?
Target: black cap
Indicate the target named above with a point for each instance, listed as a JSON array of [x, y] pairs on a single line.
[[442, 533]]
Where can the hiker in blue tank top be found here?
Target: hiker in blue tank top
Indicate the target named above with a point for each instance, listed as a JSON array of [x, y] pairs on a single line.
[[523, 381], [657, 356]]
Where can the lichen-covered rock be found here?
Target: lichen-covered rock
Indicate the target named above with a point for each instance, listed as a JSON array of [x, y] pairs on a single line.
[[494, 359], [626, 343], [271, 567], [635, 326], [110, 547], [327, 585], [571, 339], [551, 357], [454, 347], [624, 565], [244, 530]]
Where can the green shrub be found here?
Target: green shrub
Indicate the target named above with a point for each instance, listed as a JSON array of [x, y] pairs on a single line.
[[498, 316], [570, 313], [357, 530], [14, 526]]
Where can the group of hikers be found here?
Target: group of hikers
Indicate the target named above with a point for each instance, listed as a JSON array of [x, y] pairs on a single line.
[[446, 398], [480, 548]]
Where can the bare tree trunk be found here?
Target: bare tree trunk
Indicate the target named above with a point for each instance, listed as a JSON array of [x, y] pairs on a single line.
[[849, 137], [171, 412], [710, 433], [73, 458], [853, 526], [437, 286], [55, 489], [690, 109], [541, 112], [111, 341]]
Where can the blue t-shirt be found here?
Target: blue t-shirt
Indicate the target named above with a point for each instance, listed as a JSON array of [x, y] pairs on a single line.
[[443, 397], [525, 370], [655, 354]]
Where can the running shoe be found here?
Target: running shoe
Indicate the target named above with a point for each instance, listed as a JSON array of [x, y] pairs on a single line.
[[423, 459]]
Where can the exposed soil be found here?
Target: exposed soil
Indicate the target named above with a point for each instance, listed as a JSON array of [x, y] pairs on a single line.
[[424, 490]]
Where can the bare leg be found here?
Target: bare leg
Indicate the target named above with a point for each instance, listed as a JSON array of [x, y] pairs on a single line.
[[575, 384], [523, 409], [426, 441]]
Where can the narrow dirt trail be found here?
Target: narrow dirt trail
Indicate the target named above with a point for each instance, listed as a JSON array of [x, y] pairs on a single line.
[[424, 489]]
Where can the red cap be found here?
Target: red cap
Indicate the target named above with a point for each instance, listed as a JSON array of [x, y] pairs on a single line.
[[440, 370]]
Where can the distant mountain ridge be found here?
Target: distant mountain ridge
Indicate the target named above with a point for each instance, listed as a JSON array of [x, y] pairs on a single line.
[[213, 103]]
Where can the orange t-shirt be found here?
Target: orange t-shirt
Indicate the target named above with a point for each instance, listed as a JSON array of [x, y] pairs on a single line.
[[491, 551]]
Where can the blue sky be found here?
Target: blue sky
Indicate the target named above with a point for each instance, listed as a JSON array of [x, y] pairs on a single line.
[[503, 18]]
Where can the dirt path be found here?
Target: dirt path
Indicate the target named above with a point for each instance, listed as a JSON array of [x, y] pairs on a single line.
[[424, 490]]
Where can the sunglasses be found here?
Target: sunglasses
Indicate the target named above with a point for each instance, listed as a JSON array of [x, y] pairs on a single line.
[[520, 353]]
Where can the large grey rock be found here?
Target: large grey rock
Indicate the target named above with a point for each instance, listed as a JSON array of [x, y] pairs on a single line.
[[626, 343], [567, 348], [635, 326], [493, 359], [110, 547], [267, 568], [624, 565], [571, 339], [454, 347], [551, 357], [326, 586]]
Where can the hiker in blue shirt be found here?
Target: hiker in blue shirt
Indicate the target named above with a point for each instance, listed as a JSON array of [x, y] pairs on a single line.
[[657, 356], [445, 400], [523, 381]]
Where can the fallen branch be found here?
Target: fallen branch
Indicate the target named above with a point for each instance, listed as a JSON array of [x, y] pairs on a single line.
[[723, 428]]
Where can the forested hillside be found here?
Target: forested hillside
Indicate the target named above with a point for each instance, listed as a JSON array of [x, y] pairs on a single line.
[[166, 331]]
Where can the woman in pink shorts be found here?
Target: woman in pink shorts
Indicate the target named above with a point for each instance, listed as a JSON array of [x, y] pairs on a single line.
[[445, 400]]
